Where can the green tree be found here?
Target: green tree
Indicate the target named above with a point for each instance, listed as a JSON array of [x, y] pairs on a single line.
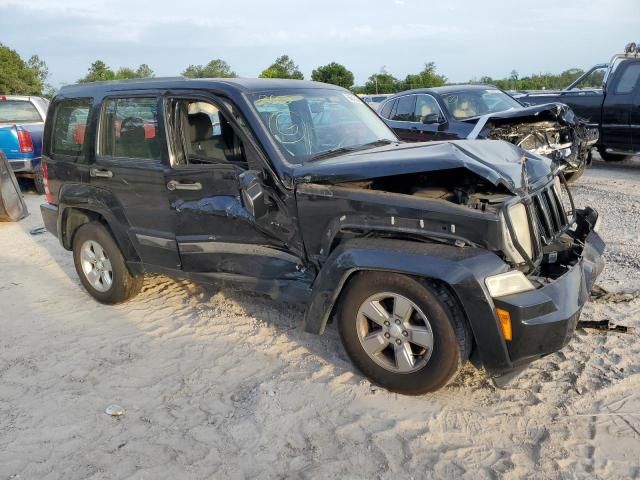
[[382, 82], [333, 73], [424, 79], [217, 68], [144, 71], [98, 72], [18, 76], [283, 67]]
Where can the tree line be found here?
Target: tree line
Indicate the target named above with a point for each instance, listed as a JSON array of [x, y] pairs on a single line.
[[28, 77]]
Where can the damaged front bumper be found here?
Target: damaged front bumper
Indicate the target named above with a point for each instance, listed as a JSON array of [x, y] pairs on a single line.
[[543, 320]]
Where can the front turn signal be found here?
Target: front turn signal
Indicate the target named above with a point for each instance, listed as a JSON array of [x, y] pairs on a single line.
[[505, 323]]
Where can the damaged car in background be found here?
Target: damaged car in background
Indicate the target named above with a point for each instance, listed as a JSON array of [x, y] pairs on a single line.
[[485, 112], [425, 255]]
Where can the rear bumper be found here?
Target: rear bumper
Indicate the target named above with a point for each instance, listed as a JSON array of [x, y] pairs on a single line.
[[543, 320], [24, 165], [50, 217]]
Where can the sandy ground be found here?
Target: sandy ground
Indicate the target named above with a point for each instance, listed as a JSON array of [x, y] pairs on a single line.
[[225, 385]]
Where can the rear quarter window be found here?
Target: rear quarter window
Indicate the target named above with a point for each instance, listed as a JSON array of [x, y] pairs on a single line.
[[70, 127]]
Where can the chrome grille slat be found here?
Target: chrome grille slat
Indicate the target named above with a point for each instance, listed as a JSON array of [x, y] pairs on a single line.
[[554, 209], [550, 215]]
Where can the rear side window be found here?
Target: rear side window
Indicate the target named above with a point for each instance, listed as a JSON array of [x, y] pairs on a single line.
[[629, 79], [69, 127], [406, 109], [18, 111], [129, 128]]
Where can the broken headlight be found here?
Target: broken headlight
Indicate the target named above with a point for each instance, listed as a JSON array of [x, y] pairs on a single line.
[[520, 233]]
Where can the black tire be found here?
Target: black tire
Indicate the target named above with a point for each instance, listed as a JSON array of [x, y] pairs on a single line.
[[124, 285], [571, 177], [611, 157], [38, 181], [452, 338]]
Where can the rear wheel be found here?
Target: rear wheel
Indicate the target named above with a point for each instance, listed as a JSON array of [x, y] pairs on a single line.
[[403, 334], [101, 266], [38, 181]]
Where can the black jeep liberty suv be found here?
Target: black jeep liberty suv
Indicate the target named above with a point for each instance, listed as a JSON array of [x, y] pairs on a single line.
[[426, 254]]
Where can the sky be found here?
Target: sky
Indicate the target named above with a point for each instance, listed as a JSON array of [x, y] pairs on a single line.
[[466, 39]]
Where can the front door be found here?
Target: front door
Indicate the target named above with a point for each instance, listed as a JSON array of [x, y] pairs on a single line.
[[215, 230], [430, 119], [617, 108]]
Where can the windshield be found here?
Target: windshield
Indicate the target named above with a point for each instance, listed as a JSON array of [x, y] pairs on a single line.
[[308, 124], [18, 111], [478, 102]]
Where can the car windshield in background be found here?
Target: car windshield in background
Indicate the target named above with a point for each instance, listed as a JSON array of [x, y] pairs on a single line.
[[18, 111], [317, 123], [475, 103]]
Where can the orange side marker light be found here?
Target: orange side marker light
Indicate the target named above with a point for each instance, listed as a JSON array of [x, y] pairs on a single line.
[[505, 323]]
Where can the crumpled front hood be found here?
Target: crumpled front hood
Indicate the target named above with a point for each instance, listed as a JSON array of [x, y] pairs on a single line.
[[536, 113], [497, 161]]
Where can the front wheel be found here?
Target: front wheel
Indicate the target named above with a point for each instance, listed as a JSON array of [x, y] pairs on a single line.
[[101, 266], [611, 157], [405, 335]]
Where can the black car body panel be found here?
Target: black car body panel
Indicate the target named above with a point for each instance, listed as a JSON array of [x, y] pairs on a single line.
[[298, 231], [551, 129], [614, 109]]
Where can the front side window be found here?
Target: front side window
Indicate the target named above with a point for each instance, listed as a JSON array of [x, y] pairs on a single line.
[[474, 103], [201, 134], [426, 108], [18, 111], [629, 79], [406, 109], [69, 127], [129, 128], [308, 124]]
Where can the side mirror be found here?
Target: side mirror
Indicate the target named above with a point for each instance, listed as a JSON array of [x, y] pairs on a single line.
[[253, 197], [432, 118], [526, 104]]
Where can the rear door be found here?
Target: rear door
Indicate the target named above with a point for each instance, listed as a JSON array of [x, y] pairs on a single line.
[[130, 165], [216, 234], [402, 119], [618, 107]]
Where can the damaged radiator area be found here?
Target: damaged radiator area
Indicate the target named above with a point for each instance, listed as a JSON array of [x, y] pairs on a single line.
[[550, 139]]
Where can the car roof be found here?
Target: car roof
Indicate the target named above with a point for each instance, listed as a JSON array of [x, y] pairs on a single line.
[[447, 89], [246, 85]]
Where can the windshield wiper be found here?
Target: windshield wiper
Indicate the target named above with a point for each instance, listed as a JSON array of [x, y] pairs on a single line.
[[340, 150], [331, 153]]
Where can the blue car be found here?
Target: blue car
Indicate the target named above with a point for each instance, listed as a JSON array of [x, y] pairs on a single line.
[[21, 129]]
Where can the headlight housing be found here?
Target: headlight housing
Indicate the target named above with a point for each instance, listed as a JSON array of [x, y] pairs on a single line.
[[521, 231], [508, 283]]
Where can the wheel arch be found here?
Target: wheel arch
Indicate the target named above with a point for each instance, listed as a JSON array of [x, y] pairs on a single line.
[[81, 204], [461, 270]]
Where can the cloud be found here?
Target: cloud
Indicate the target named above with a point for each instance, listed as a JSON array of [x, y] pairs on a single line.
[[465, 39]]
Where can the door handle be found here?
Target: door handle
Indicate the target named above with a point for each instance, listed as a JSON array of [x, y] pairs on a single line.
[[175, 185], [96, 172]]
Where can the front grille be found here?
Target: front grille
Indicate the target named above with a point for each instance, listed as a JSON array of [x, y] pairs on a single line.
[[549, 214]]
